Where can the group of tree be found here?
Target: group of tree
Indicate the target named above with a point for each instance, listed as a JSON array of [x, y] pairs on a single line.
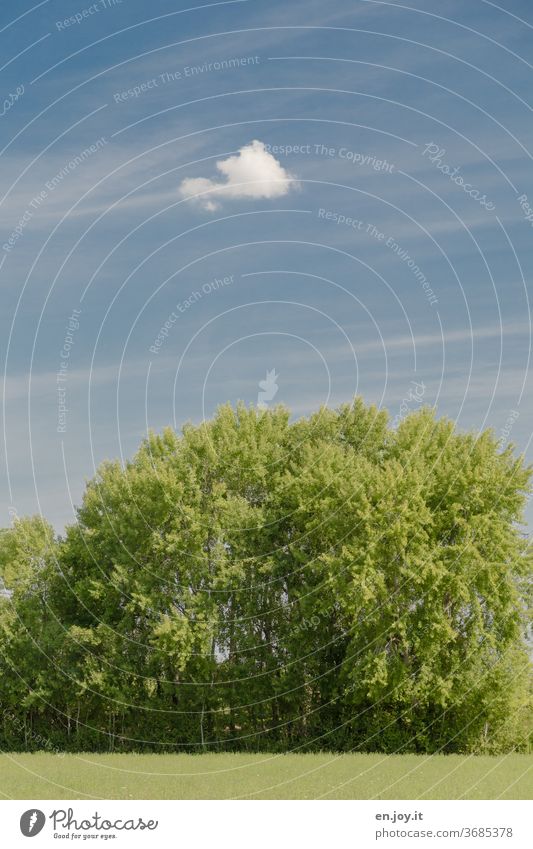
[[260, 583]]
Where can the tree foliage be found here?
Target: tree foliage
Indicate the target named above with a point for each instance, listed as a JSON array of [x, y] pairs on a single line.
[[257, 583]]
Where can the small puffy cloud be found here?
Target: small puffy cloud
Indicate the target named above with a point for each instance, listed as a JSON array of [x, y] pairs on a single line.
[[252, 173]]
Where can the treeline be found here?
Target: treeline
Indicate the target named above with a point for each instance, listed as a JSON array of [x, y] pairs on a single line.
[[260, 584]]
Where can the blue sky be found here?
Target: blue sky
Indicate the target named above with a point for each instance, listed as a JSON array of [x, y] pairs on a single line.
[[312, 252]]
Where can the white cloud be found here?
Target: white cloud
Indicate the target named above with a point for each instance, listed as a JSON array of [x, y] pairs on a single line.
[[252, 173]]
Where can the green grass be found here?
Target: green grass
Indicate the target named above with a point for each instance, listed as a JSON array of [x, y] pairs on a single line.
[[220, 776]]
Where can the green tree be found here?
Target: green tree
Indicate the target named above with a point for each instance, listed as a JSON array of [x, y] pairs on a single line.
[[261, 583]]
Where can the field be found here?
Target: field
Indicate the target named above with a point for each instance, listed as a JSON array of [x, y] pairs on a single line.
[[229, 776]]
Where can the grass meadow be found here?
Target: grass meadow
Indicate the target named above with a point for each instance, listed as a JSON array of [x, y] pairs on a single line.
[[286, 776]]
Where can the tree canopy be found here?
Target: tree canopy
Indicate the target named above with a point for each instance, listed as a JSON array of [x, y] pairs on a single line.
[[260, 583]]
